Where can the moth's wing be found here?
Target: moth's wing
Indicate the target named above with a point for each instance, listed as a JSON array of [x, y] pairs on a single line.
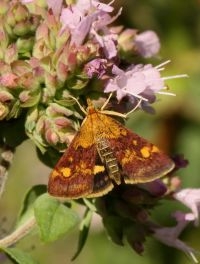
[[102, 183], [80, 172], [139, 160]]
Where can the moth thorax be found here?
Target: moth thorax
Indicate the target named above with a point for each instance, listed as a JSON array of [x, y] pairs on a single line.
[[108, 158]]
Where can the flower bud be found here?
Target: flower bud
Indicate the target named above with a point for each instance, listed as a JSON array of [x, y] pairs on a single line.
[[54, 110], [62, 71], [147, 43], [125, 39], [4, 110], [11, 54], [24, 46], [19, 21], [20, 12], [8, 80], [22, 28], [51, 137], [3, 40], [4, 6], [5, 96], [62, 122]]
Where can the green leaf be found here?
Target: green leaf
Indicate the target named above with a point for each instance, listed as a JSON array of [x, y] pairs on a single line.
[[90, 204], [27, 207], [54, 219], [84, 230], [19, 256]]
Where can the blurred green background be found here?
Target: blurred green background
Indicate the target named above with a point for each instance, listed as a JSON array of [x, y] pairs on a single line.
[[175, 128]]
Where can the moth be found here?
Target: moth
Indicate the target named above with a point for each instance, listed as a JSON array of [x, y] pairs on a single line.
[[104, 153]]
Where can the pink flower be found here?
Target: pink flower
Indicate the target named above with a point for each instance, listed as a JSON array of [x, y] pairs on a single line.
[[89, 5], [90, 19], [147, 43], [96, 67], [170, 235], [108, 43], [79, 18], [136, 81], [55, 6], [191, 198], [107, 40], [183, 217], [26, 1], [78, 24]]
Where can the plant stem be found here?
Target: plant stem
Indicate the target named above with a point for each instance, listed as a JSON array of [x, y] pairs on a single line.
[[6, 158], [19, 233]]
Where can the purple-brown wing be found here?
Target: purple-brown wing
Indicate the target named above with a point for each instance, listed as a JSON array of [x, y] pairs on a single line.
[[139, 160], [79, 173]]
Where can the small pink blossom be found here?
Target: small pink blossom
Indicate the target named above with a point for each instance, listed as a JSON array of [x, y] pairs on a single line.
[[26, 1], [5, 96], [78, 24], [147, 43], [90, 5], [86, 18], [62, 122], [136, 80], [170, 235], [108, 44], [125, 39], [55, 6], [51, 136], [191, 198], [96, 68], [183, 217], [24, 96], [108, 38]]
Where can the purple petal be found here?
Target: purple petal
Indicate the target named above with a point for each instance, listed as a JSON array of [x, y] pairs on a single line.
[[55, 6], [147, 43], [96, 67]]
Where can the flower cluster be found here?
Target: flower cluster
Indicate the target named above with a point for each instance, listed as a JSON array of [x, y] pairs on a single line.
[[53, 50], [50, 51]]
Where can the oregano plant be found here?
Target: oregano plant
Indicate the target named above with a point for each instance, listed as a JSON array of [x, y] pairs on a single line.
[[54, 56]]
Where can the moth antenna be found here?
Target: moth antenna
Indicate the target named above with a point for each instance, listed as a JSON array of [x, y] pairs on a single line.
[[113, 113], [137, 105], [80, 106], [106, 102]]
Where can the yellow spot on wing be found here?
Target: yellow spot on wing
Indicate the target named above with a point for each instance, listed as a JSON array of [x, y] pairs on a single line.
[[66, 172], [98, 169], [135, 142], [82, 168], [145, 151], [128, 156], [55, 173], [155, 149]]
